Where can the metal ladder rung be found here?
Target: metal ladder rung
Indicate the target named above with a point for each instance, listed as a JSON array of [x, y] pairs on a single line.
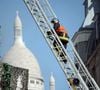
[[50, 16], [42, 21], [35, 10], [63, 60], [57, 47]]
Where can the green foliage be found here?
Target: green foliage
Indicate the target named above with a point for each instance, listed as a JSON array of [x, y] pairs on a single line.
[[6, 77]]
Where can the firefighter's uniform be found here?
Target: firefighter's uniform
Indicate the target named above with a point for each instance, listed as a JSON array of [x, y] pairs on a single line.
[[61, 32]]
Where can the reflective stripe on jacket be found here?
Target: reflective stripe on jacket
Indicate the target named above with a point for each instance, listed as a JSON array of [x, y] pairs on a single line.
[[63, 36]]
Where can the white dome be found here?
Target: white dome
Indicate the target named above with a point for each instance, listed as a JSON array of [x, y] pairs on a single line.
[[20, 56]]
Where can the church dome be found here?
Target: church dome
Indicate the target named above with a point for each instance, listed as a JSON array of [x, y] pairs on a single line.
[[19, 55]]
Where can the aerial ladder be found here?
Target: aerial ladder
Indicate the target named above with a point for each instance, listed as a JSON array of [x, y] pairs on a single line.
[[76, 73]]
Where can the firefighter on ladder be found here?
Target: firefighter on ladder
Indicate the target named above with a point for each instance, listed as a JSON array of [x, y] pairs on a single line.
[[61, 32]]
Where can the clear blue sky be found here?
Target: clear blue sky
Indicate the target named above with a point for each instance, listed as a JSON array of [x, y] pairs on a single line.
[[69, 12]]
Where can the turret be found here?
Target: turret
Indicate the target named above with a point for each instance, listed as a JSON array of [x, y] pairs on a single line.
[[18, 29], [52, 82]]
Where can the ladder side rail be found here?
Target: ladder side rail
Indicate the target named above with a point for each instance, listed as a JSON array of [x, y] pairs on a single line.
[[58, 39], [74, 48], [61, 43], [45, 38], [62, 47], [71, 44], [55, 16], [50, 8]]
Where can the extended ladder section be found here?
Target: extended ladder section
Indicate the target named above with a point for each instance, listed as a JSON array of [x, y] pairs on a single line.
[[69, 59]]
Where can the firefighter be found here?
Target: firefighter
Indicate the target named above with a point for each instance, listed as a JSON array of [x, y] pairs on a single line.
[[74, 82], [61, 32]]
